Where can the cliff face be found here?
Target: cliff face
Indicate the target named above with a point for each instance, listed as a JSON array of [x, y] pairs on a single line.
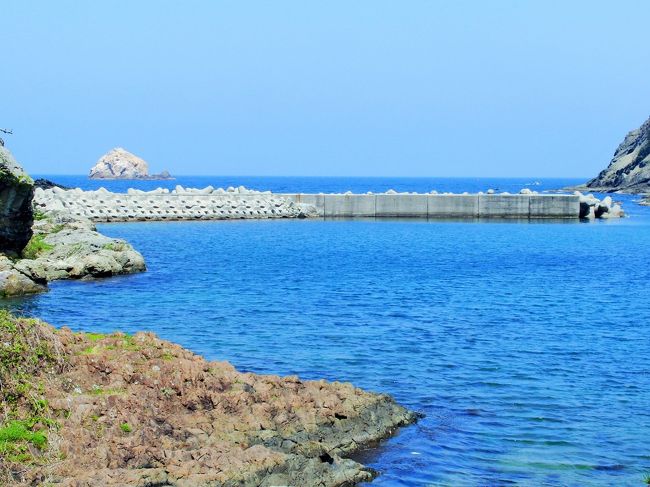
[[16, 193], [629, 169]]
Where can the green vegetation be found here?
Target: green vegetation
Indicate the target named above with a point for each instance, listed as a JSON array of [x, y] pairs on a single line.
[[15, 438], [98, 391], [126, 428], [36, 246], [115, 246], [95, 337], [646, 478], [39, 215], [27, 356], [57, 228]]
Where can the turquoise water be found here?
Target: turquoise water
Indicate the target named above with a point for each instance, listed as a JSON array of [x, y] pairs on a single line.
[[524, 343]]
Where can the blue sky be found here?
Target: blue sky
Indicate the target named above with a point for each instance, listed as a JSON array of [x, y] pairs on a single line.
[[337, 88]]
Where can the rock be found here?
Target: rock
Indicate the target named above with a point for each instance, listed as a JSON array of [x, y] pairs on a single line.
[[525, 191], [490, 191], [75, 250], [15, 283], [629, 169], [47, 184], [121, 164], [391, 191], [16, 214]]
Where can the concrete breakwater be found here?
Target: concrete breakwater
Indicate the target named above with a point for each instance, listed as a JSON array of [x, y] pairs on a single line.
[[161, 204], [240, 203]]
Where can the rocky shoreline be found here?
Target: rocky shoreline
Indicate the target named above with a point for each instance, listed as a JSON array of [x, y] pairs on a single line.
[[37, 247], [91, 409]]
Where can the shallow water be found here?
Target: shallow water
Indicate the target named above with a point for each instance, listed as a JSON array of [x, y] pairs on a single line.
[[524, 343]]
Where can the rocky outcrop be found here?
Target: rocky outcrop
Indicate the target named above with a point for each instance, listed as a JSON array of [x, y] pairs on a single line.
[[16, 193], [121, 164], [629, 169], [47, 184], [73, 249], [65, 249], [117, 409]]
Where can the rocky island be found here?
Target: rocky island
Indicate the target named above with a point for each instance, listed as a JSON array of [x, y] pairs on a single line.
[[629, 169], [121, 164]]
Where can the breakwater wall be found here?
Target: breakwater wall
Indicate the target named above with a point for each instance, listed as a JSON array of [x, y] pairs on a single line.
[[210, 204], [402, 205]]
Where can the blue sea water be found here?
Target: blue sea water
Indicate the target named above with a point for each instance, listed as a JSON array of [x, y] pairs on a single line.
[[524, 343]]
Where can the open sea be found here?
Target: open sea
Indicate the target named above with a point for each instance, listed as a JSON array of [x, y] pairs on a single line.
[[525, 343]]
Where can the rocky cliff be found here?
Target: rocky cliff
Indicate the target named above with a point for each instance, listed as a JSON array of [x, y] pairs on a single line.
[[629, 169], [16, 193], [121, 164]]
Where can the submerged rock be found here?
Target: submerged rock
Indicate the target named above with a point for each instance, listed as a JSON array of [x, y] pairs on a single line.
[[629, 169], [137, 410], [16, 194]]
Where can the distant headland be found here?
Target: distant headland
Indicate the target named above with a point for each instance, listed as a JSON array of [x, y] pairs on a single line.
[[119, 163], [629, 169]]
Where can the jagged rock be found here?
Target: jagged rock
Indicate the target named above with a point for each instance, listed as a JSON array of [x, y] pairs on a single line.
[[47, 184], [629, 169], [121, 164], [16, 194]]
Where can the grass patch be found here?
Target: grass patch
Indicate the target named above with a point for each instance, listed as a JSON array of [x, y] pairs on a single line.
[[98, 391], [18, 432], [126, 428], [114, 246], [39, 215], [57, 228], [95, 337], [36, 246]]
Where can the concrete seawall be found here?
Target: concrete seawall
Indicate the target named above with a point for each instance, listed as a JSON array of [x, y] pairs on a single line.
[[441, 205]]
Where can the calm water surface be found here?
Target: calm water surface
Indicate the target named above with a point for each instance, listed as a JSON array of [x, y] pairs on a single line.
[[525, 344]]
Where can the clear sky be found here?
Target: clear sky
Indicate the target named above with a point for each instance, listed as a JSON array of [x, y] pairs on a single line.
[[332, 88]]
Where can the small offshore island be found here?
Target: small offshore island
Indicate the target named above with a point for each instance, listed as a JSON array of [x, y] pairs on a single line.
[[119, 163], [84, 409]]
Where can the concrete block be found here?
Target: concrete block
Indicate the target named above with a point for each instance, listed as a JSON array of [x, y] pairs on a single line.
[[554, 206], [317, 200], [348, 205], [402, 205], [503, 205], [452, 205]]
